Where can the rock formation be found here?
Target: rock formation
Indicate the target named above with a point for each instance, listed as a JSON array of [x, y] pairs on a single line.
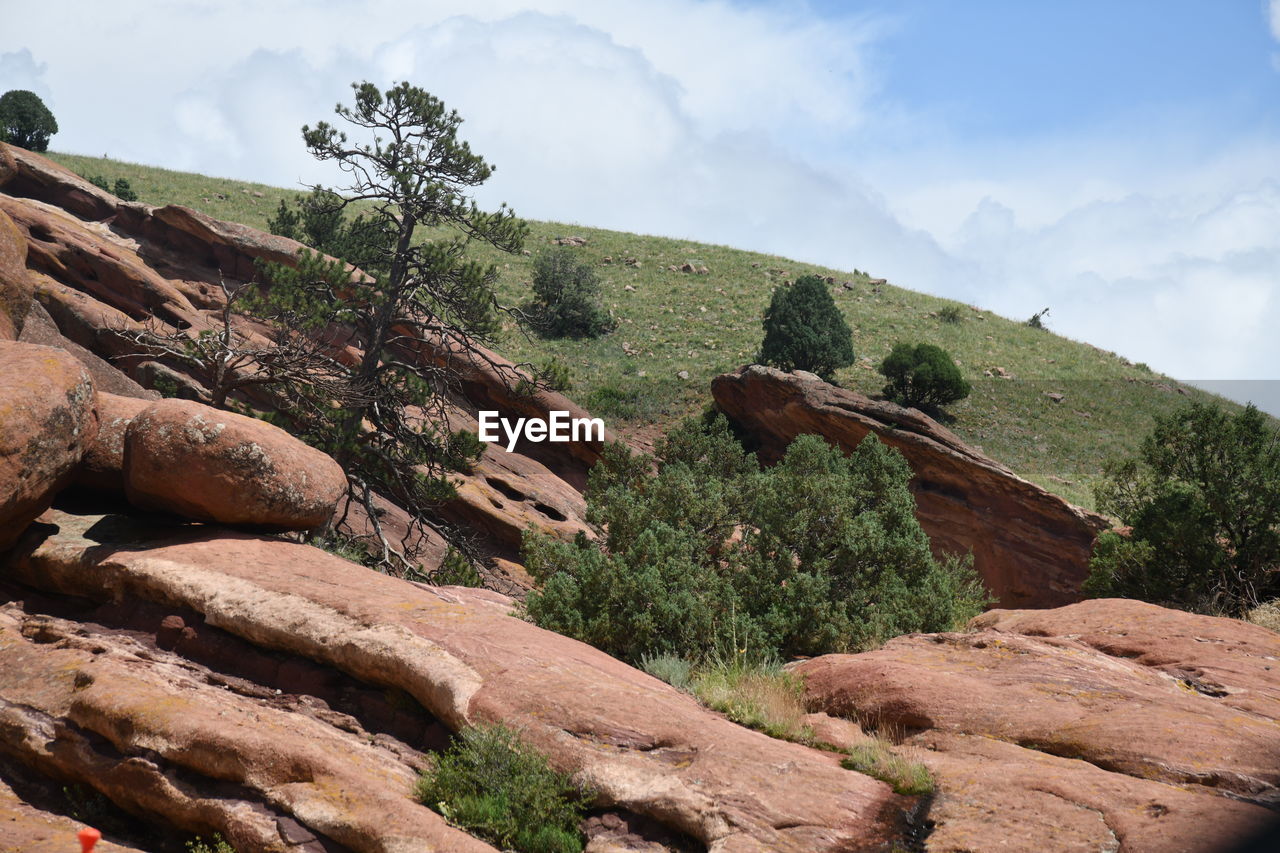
[[203, 464], [100, 268], [47, 420], [1108, 724], [1031, 547], [260, 669]]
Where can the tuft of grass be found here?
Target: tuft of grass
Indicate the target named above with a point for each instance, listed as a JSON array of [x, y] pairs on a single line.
[[949, 314], [877, 759], [496, 787], [673, 321], [1267, 615], [759, 695]]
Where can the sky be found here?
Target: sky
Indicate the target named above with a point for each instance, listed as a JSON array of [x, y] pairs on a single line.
[[1117, 161]]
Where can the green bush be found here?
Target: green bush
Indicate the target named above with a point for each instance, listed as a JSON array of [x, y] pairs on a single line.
[[1203, 501], [804, 330], [217, 844], [123, 191], [25, 121], [949, 314], [1037, 319], [494, 786], [923, 376], [704, 555], [566, 297]]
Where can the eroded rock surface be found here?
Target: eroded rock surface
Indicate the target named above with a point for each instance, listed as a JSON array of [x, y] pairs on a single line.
[[1107, 724], [1031, 547], [648, 749], [47, 419], [201, 463], [15, 289]]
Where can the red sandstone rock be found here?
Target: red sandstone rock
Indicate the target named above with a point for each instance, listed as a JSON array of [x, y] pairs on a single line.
[[1031, 547], [39, 328], [69, 251], [26, 829], [15, 289], [122, 720], [644, 747], [187, 458], [27, 174], [47, 420], [1102, 722], [103, 465]]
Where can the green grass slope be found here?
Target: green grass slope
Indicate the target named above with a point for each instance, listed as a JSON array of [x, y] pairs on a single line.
[[672, 321]]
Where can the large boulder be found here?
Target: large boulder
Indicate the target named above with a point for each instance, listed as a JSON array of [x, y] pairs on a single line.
[[1031, 547], [47, 419], [15, 289], [189, 459], [1102, 720]]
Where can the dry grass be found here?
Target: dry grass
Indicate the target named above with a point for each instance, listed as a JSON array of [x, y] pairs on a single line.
[[1267, 615]]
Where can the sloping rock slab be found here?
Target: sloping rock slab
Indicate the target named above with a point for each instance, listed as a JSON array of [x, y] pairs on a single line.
[[155, 737], [1031, 547], [1112, 716], [24, 829], [643, 746]]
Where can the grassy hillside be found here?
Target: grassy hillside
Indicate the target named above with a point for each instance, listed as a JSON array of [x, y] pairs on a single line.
[[707, 324]]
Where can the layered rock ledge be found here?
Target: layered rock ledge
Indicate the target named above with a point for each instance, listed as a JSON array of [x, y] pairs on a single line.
[[135, 716]]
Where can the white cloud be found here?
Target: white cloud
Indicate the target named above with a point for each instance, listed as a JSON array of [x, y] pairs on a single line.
[[741, 125]]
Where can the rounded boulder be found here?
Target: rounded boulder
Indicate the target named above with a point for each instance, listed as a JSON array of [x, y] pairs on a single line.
[[47, 419], [188, 459]]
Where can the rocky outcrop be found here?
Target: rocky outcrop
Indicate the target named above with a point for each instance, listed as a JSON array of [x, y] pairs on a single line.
[[201, 463], [1107, 724], [1031, 547], [101, 270], [47, 420], [15, 289], [458, 656]]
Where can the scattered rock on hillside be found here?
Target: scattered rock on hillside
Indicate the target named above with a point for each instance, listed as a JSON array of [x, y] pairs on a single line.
[[1055, 396], [15, 288], [570, 241], [1031, 547], [47, 420], [1106, 719], [201, 463]]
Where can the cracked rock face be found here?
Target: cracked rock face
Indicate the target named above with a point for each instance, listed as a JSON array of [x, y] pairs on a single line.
[[1108, 724], [188, 459], [1031, 547]]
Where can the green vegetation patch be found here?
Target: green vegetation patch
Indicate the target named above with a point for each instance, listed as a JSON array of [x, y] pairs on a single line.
[[493, 785]]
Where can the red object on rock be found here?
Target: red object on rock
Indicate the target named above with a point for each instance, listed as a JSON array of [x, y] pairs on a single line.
[[88, 838]]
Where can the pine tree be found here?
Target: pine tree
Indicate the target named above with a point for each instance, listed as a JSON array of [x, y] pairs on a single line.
[[804, 330]]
